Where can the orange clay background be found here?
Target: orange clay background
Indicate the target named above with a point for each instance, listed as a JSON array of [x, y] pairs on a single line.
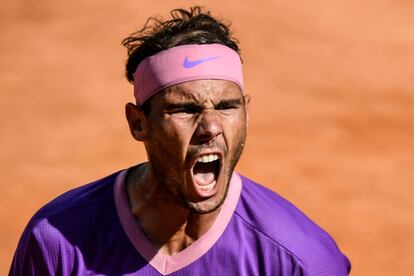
[[332, 114]]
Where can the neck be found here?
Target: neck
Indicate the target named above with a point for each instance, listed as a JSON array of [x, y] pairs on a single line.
[[169, 225]]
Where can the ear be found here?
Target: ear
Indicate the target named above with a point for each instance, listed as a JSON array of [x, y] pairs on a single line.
[[246, 106], [137, 122]]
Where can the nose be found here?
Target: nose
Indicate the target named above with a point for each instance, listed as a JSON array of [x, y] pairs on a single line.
[[208, 127]]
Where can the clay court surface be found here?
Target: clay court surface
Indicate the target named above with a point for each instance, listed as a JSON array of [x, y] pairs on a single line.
[[332, 115]]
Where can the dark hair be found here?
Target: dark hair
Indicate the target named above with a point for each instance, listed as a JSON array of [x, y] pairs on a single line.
[[193, 26]]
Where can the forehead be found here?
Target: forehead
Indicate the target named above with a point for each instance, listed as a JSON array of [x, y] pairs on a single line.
[[201, 91]]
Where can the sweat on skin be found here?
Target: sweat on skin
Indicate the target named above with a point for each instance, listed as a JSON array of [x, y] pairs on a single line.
[[176, 196]]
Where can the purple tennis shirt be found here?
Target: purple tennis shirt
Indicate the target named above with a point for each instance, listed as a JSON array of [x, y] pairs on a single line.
[[91, 231]]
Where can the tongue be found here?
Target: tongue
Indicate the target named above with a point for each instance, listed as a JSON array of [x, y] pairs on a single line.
[[204, 173]]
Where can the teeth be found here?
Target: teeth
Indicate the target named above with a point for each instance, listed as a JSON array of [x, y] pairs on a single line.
[[208, 158], [208, 187]]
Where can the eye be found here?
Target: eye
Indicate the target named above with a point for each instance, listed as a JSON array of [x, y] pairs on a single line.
[[183, 112], [227, 106], [187, 110]]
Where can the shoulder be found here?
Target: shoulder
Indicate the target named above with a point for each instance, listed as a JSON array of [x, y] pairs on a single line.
[[284, 224], [83, 197], [51, 232], [81, 204]]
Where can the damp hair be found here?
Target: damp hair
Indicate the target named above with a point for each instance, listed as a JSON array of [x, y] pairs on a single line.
[[192, 26]]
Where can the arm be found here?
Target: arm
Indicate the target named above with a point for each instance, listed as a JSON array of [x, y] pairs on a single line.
[[30, 258]]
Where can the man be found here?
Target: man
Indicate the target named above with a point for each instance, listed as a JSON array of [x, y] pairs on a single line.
[[185, 211]]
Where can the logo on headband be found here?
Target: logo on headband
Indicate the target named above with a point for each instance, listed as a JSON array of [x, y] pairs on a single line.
[[190, 64]]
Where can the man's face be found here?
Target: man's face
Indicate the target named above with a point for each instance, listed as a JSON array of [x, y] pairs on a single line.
[[195, 135]]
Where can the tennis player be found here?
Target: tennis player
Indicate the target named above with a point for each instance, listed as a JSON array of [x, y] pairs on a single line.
[[185, 211]]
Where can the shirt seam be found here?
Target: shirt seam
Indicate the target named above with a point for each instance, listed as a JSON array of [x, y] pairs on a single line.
[[272, 239]]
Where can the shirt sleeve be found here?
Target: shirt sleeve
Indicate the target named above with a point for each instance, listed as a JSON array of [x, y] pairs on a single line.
[[30, 257]]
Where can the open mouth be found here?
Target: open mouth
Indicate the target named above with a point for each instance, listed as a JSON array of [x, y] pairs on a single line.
[[205, 173]]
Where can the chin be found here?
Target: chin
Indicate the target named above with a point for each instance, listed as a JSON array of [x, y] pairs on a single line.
[[203, 207], [208, 205]]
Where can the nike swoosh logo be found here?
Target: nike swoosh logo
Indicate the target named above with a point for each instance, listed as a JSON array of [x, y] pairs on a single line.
[[190, 64]]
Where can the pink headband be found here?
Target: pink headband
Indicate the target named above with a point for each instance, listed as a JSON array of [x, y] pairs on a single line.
[[185, 63]]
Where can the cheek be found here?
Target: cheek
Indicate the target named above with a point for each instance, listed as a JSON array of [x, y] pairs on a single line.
[[234, 126], [176, 134]]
